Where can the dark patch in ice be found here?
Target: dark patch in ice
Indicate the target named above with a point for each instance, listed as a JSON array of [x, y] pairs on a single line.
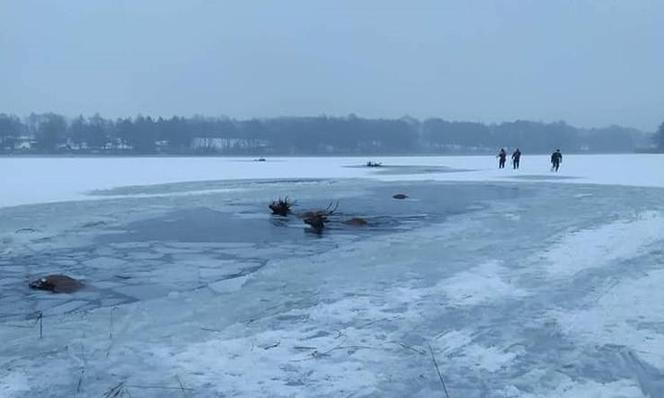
[[204, 225], [543, 177], [410, 169], [26, 230], [93, 224], [318, 334], [262, 159], [430, 203]]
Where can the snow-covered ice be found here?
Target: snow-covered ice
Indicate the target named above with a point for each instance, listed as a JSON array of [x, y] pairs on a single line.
[[71, 178], [520, 284]]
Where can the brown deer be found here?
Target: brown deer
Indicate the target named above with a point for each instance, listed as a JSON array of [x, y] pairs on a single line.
[[281, 207], [57, 284], [357, 222], [316, 219]]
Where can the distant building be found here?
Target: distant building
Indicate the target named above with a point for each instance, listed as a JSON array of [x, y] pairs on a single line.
[[24, 143], [118, 144], [225, 144]]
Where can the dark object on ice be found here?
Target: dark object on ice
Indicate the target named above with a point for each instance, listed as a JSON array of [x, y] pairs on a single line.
[[259, 160], [400, 196], [516, 158], [556, 160], [357, 221], [57, 284], [316, 219], [281, 207], [374, 164], [25, 230], [93, 224]]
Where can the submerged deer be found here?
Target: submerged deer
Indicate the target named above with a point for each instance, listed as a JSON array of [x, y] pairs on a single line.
[[316, 219], [281, 207], [57, 284]]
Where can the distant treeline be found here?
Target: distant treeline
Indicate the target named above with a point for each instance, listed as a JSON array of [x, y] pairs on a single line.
[[52, 133], [659, 138]]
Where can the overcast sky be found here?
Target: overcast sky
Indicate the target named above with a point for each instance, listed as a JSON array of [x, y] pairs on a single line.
[[591, 63]]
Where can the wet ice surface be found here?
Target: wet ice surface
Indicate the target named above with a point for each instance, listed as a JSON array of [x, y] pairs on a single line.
[[409, 170], [544, 177], [518, 289]]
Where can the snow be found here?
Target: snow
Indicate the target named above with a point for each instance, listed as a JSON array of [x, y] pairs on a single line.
[[623, 315], [587, 248], [478, 284], [60, 179], [519, 287]]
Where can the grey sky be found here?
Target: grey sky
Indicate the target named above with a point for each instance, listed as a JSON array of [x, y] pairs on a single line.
[[591, 63]]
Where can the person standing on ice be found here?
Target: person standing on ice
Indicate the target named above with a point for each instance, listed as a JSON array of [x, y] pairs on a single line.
[[502, 158], [516, 158], [556, 160]]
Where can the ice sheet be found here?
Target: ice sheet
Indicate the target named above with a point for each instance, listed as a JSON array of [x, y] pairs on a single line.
[[36, 180], [517, 288]]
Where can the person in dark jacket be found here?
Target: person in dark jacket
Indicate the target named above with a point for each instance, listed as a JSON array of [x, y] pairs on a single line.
[[502, 158], [556, 160], [516, 158]]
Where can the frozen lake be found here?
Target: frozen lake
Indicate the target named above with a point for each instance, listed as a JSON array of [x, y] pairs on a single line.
[[61, 179], [519, 283]]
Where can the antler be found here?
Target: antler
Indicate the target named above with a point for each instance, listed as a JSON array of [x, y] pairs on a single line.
[[331, 210]]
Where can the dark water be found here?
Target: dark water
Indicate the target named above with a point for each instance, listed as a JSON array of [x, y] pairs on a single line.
[[543, 177], [410, 169], [426, 203]]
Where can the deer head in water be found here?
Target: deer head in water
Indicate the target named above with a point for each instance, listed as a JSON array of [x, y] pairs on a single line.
[[281, 207], [316, 219]]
